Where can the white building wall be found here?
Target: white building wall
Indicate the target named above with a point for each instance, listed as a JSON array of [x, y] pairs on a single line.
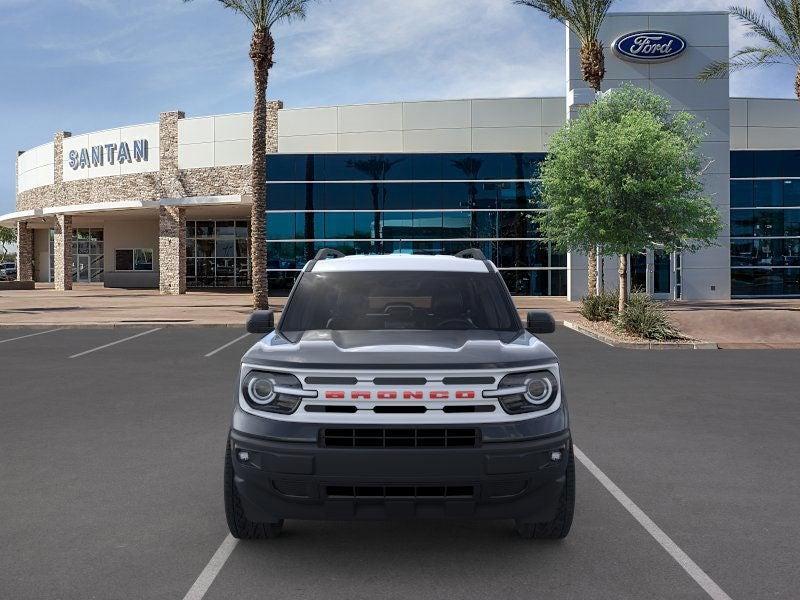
[[765, 124], [706, 275], [87, 141], [35, 167]]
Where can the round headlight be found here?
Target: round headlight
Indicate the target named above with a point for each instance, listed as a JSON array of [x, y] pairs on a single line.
[[538, 390], [262, 391]]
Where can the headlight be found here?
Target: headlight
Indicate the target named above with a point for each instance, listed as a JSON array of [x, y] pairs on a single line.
[[273, 392], [526, 392]]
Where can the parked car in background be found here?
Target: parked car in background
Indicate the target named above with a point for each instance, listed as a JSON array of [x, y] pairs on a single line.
[[8, 271]]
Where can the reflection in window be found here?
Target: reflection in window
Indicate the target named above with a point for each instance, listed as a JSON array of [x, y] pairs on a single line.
[[218, 252]]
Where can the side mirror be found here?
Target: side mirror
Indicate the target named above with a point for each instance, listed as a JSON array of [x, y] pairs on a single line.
[[540, 322], [261, 321]]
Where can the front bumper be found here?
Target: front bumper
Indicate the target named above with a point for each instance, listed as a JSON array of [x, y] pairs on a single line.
[[496, 480]]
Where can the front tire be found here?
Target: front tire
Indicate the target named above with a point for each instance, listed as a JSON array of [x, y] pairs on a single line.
[[238, 523], [559, 527]]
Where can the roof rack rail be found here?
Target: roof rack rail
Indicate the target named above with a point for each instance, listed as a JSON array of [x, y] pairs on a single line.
[[328, 253], [471, 253]]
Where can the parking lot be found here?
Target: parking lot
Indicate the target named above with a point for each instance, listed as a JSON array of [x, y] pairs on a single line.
[[111, 482]]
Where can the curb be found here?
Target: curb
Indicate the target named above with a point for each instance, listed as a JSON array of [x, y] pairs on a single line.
[[640, 345]]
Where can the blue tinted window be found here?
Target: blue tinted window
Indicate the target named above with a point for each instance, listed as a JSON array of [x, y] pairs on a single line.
[[742, 164], [456, 195], [397, 225], [457, 224], [282, 196], [742, 223], [426, 166], [427, 224], [339, 196], [765, 282], [791, 222], [365, 225], [280, 226], [791, 192], [367, 196], [281, 167], [485, 224], [426, 195], [339, 225], [768, 163], [397, 196], [741, 194], [768, 193]]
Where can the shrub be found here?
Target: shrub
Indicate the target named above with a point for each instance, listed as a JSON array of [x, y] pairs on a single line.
[[601, 307], [644, 317]]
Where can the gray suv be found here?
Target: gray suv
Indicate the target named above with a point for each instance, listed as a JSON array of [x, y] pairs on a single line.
[[399, 387]]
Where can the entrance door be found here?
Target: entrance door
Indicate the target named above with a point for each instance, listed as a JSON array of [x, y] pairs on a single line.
[[638, 268], [83, 268], [662, 270]]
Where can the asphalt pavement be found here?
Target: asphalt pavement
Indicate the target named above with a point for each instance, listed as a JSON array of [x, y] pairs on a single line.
[[111, 481]]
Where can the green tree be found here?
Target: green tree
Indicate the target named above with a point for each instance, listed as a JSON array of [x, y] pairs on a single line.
[[584, 19], [7, 236], [626, 174], [778, 36], [263, 15]]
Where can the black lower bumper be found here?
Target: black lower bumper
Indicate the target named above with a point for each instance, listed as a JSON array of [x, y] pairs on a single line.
[[287, 480]]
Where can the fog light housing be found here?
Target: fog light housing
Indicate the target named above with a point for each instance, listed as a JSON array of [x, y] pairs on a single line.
[[555, 456], [243, 456]]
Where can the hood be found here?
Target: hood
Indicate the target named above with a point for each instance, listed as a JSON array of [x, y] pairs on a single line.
[[325, 349]]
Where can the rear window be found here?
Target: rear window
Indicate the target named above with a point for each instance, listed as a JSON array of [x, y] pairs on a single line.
[[410, 300]]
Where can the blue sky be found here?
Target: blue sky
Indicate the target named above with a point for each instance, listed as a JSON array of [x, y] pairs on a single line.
[[84, 65]]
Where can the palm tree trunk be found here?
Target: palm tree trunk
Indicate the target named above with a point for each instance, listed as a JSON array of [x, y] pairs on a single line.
[[797, 84], [261, 52], [623, 282], [593, 70]]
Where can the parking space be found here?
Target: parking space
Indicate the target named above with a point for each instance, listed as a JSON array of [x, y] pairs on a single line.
[[112, 465]]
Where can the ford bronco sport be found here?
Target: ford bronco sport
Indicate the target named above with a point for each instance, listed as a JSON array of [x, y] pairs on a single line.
[[399, 386]]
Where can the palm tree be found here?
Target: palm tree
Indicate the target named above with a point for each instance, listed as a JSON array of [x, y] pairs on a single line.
[[584, 19], [263, 15], [779, 38]]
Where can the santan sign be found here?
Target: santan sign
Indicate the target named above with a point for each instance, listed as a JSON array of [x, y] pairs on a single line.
[[97, 156], [649, 46]]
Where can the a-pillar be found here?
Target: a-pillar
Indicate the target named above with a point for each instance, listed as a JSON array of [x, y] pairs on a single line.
[[62, 253], [24, 252], [171, 250]]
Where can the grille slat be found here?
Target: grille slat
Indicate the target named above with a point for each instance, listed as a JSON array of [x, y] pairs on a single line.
[[430, 492], [391, 437]]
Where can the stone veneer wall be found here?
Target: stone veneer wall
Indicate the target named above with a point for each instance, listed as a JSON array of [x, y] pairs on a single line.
[[172, 250], [62, 250], [24, 252], [169, 182]]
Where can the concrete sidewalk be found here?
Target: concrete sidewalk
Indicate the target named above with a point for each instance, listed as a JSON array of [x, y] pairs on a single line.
[[735, 324]]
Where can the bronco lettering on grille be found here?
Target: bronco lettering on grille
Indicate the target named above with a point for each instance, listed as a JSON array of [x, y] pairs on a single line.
[[406, 395]]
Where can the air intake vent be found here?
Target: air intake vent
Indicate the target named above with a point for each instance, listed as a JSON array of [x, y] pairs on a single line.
[[434, 492], [400, 438]]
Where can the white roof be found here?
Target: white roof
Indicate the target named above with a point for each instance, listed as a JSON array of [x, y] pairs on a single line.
[[400, 262]]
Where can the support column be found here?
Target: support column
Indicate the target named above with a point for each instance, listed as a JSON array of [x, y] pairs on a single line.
[[24, 252], [171, 250], [62, 250]]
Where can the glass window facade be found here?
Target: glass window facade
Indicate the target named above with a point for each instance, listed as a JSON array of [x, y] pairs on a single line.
[[765, 223], [217, 254], [410, 203]]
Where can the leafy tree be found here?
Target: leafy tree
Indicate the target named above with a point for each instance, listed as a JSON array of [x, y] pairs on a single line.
[[263, 15], [626, 174], [7, 236], [778, 37], [584, 19]]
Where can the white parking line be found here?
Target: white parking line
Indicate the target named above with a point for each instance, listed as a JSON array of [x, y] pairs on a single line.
[[22, 337], [84, 353], [231, 343], [214, 566], [687, 564]]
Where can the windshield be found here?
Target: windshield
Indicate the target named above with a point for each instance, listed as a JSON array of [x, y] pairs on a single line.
[[391, 300]]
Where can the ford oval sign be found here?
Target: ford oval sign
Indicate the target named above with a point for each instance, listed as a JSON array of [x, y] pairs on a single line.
[[649, 46]]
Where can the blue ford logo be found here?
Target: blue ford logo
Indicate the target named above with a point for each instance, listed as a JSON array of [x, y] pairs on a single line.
[[649, 46]]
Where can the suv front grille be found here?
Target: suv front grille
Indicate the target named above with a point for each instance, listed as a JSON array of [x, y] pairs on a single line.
[[400, 438], [437, 492]]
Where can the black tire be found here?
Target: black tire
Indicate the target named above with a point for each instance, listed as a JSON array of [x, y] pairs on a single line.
[[238, 523], [559, 527]]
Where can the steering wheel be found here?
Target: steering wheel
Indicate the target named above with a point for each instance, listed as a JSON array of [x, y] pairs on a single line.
[[467, 322]]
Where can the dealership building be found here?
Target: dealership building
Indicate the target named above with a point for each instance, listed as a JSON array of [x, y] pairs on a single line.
[[167, 204]]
